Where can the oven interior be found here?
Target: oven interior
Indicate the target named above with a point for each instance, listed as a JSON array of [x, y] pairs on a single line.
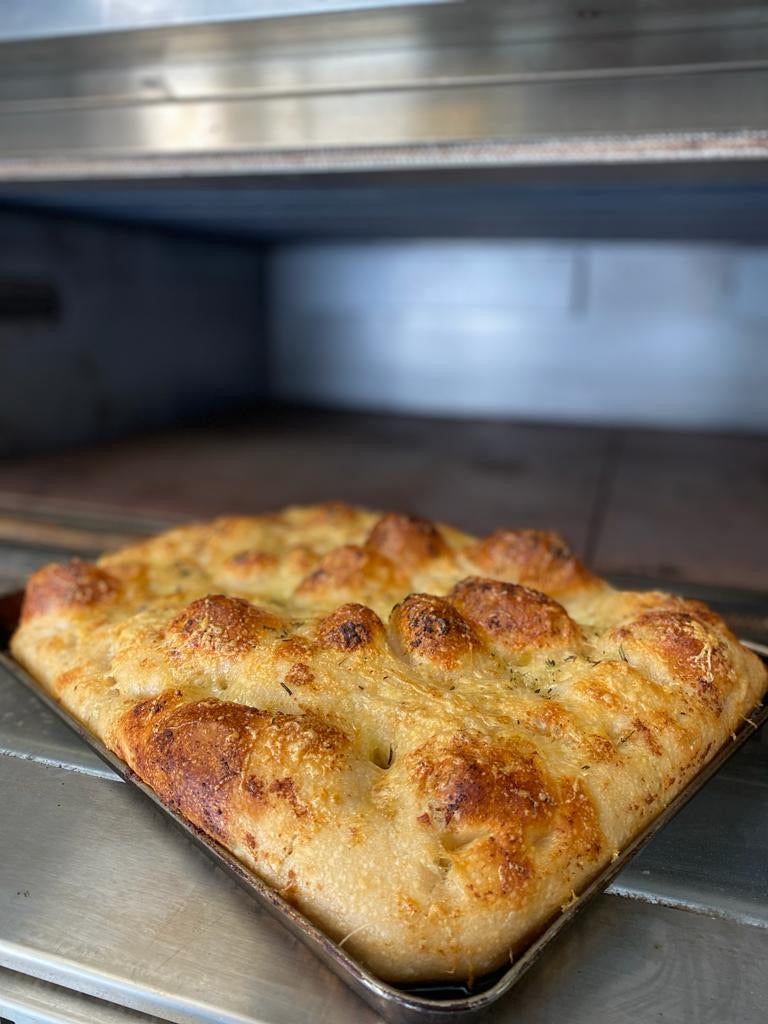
[[501, 264]]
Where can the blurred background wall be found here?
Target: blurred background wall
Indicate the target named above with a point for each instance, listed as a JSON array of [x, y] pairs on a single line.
[[662, 334], [105, 329]]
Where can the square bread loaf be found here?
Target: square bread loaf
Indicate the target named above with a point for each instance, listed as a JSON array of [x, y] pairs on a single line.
[[426, 742]]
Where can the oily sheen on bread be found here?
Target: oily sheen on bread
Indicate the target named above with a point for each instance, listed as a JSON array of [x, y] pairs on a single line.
[[427, 742]]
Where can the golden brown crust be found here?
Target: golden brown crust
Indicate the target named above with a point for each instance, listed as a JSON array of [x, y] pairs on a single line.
[[513, 618], [429, 630], [220, 625], [536, 558], [685, 651], [500, 789], [350, 568], [197, 755], [407, 540], [74, 584], [349, 627], [425, 741]]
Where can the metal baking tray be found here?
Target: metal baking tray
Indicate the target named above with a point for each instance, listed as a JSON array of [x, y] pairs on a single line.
[[425, 1004]]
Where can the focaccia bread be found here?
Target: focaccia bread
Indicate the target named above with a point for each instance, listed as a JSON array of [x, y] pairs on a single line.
[[427, 742]]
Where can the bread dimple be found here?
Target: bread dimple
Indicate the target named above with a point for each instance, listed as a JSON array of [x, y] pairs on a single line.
[[424, 740]]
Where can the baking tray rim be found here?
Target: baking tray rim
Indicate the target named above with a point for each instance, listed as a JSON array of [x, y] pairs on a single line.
[[398, 1004]]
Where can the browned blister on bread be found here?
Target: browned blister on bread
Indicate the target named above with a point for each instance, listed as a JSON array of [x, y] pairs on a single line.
[[513, 618], [535, 558], [220, 625], [407, 541], [67, 586], [426, 741], [350, 627], [203, 758], [428, 631], [683, 649]]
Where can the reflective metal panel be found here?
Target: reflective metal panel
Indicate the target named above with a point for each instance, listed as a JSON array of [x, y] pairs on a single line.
[[28, 1000], [20, 19], [456, 84], [30, 732]]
